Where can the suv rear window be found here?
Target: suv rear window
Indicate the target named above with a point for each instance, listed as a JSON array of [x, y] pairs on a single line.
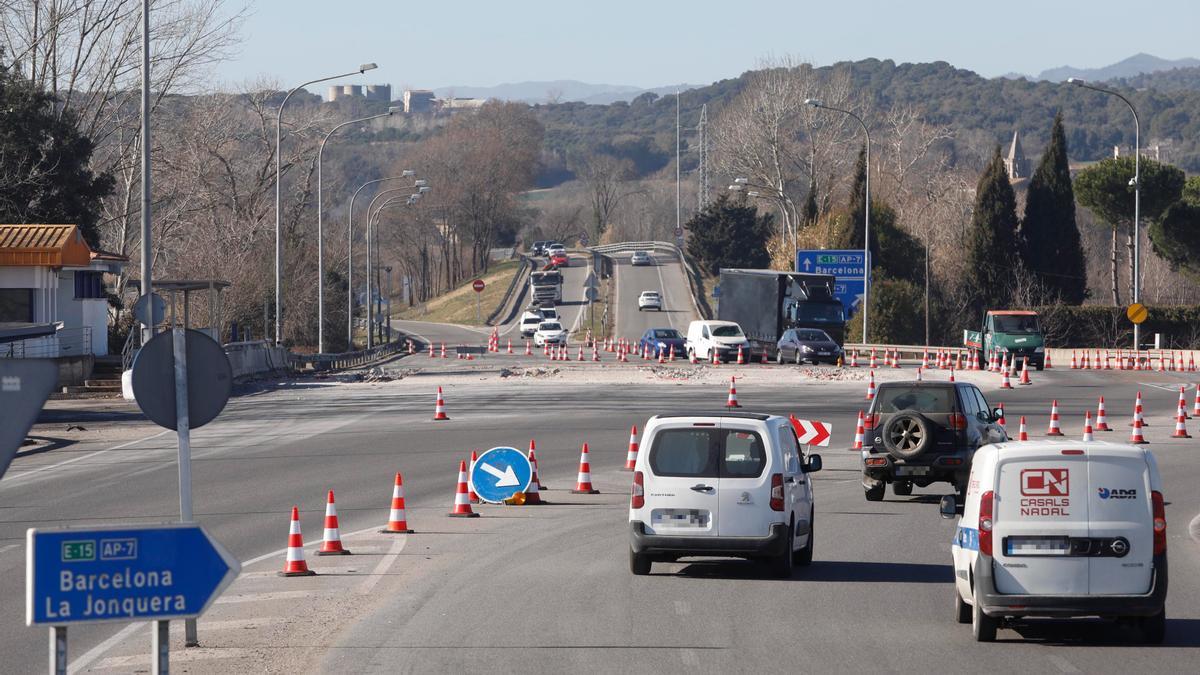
[[920, 399], [694, 453]]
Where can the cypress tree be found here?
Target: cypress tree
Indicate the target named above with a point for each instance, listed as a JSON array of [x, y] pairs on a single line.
[[1050, 244], [992, 240]]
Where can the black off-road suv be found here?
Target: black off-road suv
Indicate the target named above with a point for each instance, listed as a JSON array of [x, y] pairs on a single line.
[[919, 433]]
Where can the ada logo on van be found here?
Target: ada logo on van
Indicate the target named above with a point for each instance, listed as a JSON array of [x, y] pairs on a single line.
[[1045, 492], [1117, 493]]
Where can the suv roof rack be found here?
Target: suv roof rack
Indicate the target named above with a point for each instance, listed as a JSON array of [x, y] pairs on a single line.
[[719, 413]]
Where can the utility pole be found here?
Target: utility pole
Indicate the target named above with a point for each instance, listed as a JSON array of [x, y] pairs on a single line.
[[678, 211], [702, 129], [147, 236]]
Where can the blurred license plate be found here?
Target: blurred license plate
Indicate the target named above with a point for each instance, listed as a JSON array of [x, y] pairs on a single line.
[[680, 518], [822, 353], [912, 470], [1037, 545]]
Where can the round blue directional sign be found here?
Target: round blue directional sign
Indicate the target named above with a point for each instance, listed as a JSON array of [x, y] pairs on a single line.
[[500, 473]]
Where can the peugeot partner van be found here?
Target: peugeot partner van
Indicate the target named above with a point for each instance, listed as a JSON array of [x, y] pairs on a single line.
[[726, 484], [722, 337], [1060, 529]]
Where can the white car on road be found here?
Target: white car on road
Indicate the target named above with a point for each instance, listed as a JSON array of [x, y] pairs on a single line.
[[1060, 529], [530, 321], [650, 300], [726, 485], [550, 333], [641, 258]]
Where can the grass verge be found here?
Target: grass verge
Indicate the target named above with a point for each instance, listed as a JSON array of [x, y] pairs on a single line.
[[459, 305]]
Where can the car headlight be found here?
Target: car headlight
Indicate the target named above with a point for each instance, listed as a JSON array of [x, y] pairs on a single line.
[[806, 348], [662, 345], [1004, 350], [1040, 350]]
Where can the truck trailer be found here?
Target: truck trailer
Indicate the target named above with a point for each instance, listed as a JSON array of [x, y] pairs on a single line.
[[765, 303]]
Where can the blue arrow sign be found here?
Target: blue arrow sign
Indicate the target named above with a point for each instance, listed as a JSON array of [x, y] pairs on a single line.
[[846, 265], [123, 573], [500, 473]]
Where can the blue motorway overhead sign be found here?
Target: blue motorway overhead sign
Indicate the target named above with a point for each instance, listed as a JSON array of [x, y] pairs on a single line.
[[845, 265], [500, 473], [123, 573]]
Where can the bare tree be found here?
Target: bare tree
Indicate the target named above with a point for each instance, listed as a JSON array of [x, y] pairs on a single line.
[[607, 181]]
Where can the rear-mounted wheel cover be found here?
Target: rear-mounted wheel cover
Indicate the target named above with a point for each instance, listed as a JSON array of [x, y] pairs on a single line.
[[907, 435]]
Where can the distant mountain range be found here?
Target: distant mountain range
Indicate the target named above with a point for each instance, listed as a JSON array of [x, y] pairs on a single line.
[[558, 91], [1135, 65]]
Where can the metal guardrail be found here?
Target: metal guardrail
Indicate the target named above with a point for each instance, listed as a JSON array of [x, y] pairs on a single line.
[[65, 342], [526, 266], [321, 362]]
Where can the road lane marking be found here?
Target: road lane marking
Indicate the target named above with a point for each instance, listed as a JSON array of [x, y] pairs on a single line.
[[17, 478], [1063, 665], [689, 657], [682, 607], [1194, 528], [103, 648], [177, 656], [384, 564]]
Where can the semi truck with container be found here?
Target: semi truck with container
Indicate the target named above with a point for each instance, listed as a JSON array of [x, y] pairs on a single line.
[[765, 303], [545, 287]]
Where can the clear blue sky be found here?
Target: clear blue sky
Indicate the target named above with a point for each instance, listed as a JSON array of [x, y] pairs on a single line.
[[660, 42]]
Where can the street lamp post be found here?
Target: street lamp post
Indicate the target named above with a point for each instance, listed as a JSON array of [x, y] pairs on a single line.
[[816, 103], [422, 187], [1137, 198], [278, 191], [320, 228], [407, 173], [781, 200]]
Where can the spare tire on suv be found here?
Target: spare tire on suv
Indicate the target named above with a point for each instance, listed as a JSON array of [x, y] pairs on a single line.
[[907, 435]]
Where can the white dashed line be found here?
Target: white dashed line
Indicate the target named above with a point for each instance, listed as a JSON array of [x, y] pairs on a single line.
[[1063, 665], [189, 656]]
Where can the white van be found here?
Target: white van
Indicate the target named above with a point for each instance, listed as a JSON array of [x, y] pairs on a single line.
[[729, 484], [724, 337], [1060, 529]]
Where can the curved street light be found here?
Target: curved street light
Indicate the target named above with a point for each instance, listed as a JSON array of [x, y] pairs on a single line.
[[816, 103], [422, 187], [407, 173], [320, 226], [1137, 197], [278, 191]]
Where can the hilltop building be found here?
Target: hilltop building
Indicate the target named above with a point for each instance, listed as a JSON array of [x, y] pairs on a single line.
[[371, 92], [1016, 163], [419, 101]]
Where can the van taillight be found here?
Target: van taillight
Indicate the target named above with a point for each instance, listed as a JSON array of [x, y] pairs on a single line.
[[776, 492], [1160, 523], [638, 495], [985, 522], [958, 422]]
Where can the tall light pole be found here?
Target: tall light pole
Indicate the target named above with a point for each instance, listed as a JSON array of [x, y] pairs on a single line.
[[278, 192], [422, 186], [407, 173], [678, 208], [781, 200], [147, 285], [372, 221], [816, 103], [1137, 198], [321, 230]]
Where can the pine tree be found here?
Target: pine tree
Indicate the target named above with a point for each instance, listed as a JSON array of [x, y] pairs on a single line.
[[853, 236], [729, 233], [992, 239], [1050, 246]]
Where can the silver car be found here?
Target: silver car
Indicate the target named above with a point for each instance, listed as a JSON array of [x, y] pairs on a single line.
[[641, 258]]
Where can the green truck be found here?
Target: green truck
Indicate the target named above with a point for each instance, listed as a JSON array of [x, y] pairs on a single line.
[[1011, 332]]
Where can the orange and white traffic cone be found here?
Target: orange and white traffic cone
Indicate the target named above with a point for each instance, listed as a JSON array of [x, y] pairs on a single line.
[[925, 360], [1196, 405], [716, 361], [1074, 361], [533, 493], [1182, 401], [951, 374], [397, 520], [1102, 417], [439, 410], [896, 359], [692, 357], [741, 358], [1005, 383], [534, 463], [860, 432], [1055, 429], [295, 566], [471, 496], [432, 355], [1180, 425], [887, 358], [764, 357], [874, 362], [1138, 412], [854, 359], [1022, 433], [510, 351], [580, 357], [583, 484], [871, 386], [1025, 371], [671, 355], [1087, 427], [919, 371], [462, 499], [732, 401], [443, 350], [528, 348], [631, 456], [1136, 437], [595, 353], [1046, 360], [662, 355], [331, 542]]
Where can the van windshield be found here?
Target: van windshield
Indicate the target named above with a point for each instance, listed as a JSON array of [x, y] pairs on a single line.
[[726, 331], [707, 453], [1011, 323]]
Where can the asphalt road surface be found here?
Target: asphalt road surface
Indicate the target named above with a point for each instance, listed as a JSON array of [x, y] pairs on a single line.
[[666, 276], [547, 589]]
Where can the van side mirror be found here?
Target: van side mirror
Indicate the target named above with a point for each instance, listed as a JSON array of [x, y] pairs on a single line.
[[949, 507], [812, 464]]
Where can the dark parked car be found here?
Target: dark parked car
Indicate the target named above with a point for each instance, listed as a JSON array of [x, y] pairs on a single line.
[[538, 248], [798, 345], [656, 339], [919, 433]]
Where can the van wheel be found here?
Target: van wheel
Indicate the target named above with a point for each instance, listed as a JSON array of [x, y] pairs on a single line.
[[639, 563], [804, 556], [983, 627], [902, 488], [782, 564], [779, 356], [962, 611], [1154, 628], [874, 492]]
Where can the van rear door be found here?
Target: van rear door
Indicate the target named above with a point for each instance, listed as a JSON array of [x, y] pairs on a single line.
[[1122, 522], [1041, 506], [745, 486], [682, 478]]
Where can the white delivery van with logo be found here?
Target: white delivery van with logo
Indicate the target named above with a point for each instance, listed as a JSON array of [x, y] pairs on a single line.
[[1060, 529]]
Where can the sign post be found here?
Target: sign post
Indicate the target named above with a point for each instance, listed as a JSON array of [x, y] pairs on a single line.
[[122, 573], [478, 285]]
